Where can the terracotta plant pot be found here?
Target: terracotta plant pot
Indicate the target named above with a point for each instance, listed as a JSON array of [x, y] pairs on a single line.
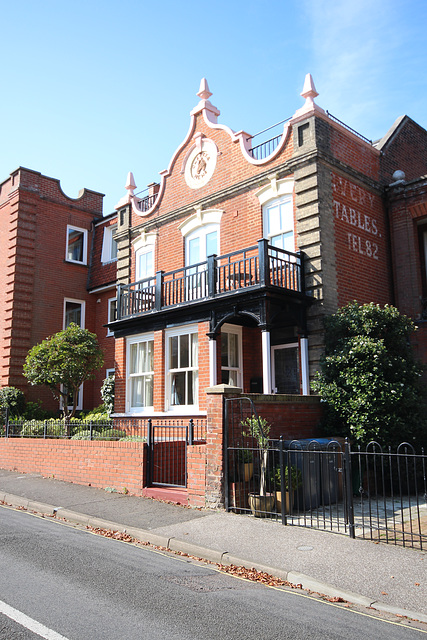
[[289, 501], [246, 471], [261, 506]]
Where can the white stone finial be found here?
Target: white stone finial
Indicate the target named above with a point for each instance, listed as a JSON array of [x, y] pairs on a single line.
[[309, 90], [130, 183], [210, 112], [204, 93], [130, 186], [309, 93]]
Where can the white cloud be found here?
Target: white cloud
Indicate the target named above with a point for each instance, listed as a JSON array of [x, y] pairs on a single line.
[[355, 46]]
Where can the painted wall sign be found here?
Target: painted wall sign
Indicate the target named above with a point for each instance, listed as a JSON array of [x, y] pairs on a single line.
[[349, 206]]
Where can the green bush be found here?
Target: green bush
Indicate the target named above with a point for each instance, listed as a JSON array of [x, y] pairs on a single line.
[[296, 478], [34, 411], [13, 400], [244, 455], [110, 434], [133, 439], [370, 381], [35, 428], [78, 427], [84, 434], [99, 414]]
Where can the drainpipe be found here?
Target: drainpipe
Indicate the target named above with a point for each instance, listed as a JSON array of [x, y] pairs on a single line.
[[266, 361], [305, 378]]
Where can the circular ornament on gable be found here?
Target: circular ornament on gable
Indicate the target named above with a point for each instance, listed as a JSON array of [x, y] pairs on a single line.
[[200, 164]]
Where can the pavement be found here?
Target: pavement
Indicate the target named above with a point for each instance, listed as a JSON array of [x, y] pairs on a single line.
[[387, 578]]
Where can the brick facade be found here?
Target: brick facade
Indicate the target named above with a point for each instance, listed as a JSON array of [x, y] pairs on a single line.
[[35, 275], [356, 236]]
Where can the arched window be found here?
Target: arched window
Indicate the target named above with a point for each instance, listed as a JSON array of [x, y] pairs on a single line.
[[279, 223], [144, 256], [276, 199]]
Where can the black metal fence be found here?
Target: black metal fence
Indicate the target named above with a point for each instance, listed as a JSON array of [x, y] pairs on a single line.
[[117, 429], [167, 452], [324, 483]]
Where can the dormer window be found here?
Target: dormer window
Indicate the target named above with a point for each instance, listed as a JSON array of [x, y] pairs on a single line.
[[109, 245]]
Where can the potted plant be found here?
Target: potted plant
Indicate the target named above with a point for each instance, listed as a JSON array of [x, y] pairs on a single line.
[[258, 428], [245, 461], [293, 481]]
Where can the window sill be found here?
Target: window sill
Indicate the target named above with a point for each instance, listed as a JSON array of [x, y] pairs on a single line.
[[82, 264]]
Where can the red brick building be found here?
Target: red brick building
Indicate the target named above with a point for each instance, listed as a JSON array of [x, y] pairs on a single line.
[[229, 264], [49, 246]]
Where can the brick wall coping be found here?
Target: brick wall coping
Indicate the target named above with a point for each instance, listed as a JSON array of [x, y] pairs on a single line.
[[283, 398]]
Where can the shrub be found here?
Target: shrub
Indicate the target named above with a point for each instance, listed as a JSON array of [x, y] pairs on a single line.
[[296, 478], [133, 439], [78, 427], [370, 381], [34, 411], [99, 414], [84, 434], [110, 434], [244, 455], [36, 428], [13, 400]]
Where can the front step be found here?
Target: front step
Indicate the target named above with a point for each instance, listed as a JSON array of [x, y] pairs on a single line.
[[169, 494]]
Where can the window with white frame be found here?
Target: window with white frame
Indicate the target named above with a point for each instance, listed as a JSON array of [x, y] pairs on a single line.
[[109, 373], [112, 313], [201, 243], [144, 263], [74, 311], [231, 355], [182, 368], [144, 256], [109, 244], [76, 245], [140, 372], [201, 234], [279, 223]]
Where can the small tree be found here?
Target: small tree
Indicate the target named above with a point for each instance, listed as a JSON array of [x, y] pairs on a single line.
[[12, 400], [63, 362], [369, 379], [259, 429]]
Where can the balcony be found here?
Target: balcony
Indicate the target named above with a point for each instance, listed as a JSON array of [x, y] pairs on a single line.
[[146, 203], [258, 267], [263, 150]]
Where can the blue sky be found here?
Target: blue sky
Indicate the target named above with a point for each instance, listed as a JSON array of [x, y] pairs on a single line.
[[91, 90]]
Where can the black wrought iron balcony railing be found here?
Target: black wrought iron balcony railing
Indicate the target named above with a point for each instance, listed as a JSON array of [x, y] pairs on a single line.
[[146, 203], [258, 266], [263, 150]]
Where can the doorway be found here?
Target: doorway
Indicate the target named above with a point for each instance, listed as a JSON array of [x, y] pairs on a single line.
[[286, 368]]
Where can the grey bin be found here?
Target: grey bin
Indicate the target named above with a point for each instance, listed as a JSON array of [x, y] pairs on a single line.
[[302, 457], [321, 464]]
